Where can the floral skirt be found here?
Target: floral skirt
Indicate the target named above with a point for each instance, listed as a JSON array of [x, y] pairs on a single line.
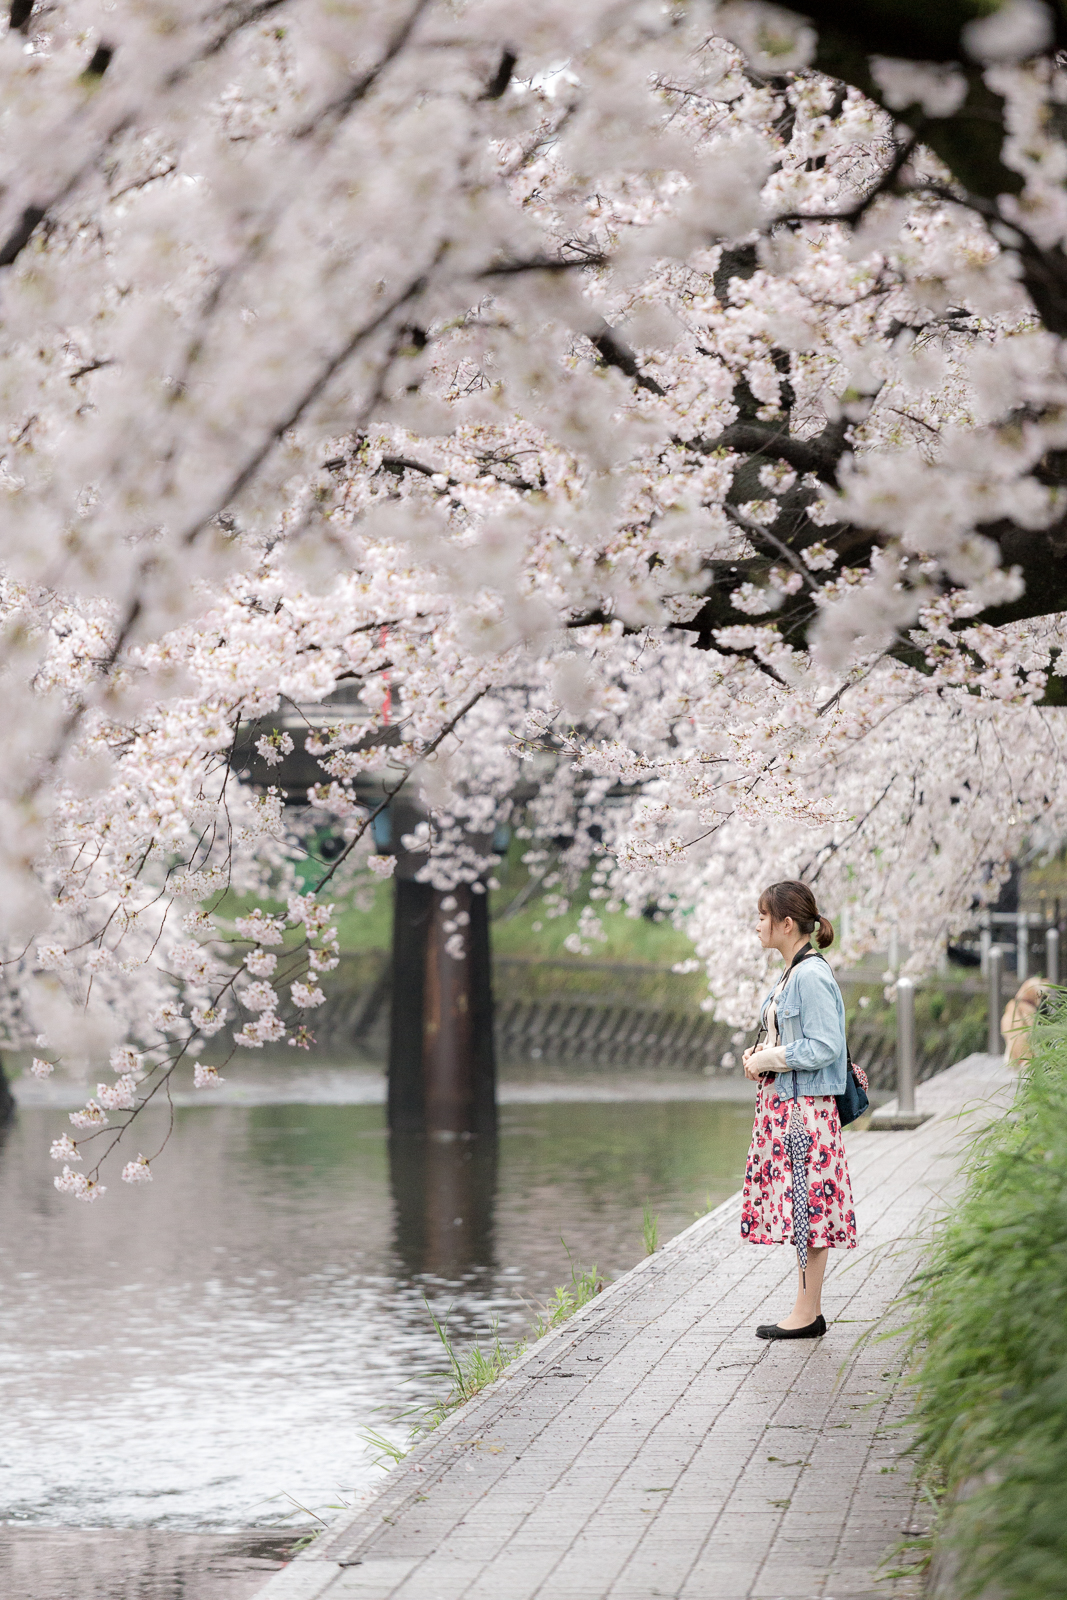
[[767, 1206]]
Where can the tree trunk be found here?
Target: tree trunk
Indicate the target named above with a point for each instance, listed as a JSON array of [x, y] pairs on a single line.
[[7, 1099], [442, 1063]]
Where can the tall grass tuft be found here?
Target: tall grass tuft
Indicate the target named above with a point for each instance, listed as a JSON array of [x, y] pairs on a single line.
[[650, 1231], [471, 1370], [991, 1312]]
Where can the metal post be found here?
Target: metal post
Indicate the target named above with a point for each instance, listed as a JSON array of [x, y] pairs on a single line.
[[986, 939], [1022, 947], [906, 1046], [995, 1043], [1052, 955], [904, 1116]]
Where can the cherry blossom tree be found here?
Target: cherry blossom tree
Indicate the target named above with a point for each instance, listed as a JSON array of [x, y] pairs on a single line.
[[668, 396]]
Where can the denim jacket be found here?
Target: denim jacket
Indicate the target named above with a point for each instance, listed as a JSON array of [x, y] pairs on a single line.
[[811, 1026]]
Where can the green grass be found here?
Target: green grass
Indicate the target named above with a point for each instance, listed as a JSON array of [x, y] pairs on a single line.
[[474, 1369], [991, 1320], [469, 1371], [532, 933], [358, 930]]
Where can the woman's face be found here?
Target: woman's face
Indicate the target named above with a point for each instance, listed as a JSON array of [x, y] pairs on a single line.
[[774, 935]]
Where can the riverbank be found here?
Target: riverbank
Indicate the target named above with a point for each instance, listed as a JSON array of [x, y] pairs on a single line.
[[653, 1446]]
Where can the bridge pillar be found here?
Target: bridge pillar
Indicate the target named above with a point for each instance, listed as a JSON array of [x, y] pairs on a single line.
[[442, 1062]]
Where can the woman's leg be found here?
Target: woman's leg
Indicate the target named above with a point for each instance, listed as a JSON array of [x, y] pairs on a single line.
[[809, 1292]]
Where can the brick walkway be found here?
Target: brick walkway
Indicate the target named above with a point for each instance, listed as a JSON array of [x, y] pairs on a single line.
[[654, 1447]]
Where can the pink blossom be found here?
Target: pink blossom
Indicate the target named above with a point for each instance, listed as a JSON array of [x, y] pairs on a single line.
[[79, 1186], [127, 1061], [259, 997], [273, 747], [167, 1017], [209, 1019], [306, 996], [306, 909], [120, 1096], [91, 1117], [260, 963], [260, 927]]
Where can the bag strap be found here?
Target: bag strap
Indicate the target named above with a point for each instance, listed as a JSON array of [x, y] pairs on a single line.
[[802, 955]]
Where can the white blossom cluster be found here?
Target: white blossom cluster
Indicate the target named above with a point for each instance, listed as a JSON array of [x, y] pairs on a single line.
[[598, 397]]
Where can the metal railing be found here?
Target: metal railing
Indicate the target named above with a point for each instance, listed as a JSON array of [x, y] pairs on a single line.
[[906, 1114], [995, 976], [1024, 923], [994, 971]]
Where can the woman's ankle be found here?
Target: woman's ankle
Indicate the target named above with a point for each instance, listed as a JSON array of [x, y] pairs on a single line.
[[799, 1319]]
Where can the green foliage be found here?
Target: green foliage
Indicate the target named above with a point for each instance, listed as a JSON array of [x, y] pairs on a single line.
[[388, 1451], [567, 1299], [532, 932], [992, 1314], [363, 926], [950, 1020], [650, 1231], [469, 1372]]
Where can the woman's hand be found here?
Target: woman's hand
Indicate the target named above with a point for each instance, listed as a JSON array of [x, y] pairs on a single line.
[[745, 1060], [769, 1058]]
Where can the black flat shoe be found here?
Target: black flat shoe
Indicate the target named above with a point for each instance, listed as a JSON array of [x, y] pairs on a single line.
[[814, 1330]]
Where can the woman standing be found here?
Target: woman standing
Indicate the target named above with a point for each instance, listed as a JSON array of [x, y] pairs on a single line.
[[797, 1187]]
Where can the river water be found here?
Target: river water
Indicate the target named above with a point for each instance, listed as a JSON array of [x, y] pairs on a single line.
[[187, 1368]]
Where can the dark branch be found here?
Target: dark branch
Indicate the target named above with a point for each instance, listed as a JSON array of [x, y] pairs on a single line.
[[820, 456], [19, 238], [101, 60], [360, 87], [614, 352], [497, 87], [512, 269]]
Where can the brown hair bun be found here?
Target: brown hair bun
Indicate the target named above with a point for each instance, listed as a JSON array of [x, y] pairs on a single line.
[[791, 898]]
